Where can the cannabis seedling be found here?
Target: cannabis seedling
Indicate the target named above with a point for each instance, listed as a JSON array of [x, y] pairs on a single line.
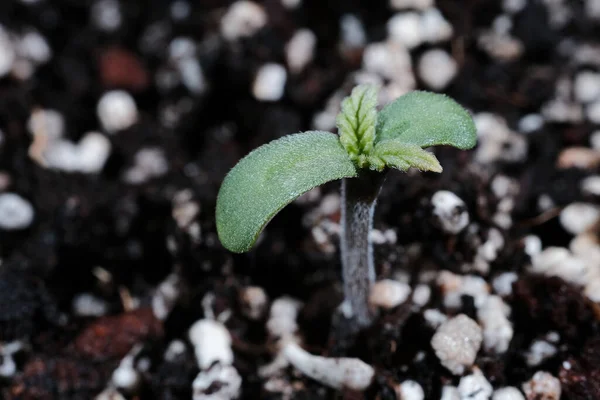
[[367, 144]]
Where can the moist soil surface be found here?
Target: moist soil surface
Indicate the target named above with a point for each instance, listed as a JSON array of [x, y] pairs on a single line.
[[102, 235]]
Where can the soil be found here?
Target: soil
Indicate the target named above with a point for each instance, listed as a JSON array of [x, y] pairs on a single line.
[[98, 234]]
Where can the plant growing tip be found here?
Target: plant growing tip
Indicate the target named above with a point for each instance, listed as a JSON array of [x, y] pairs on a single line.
[[368, 143]]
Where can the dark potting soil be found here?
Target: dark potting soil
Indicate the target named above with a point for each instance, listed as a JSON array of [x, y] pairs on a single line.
[[96, 233]]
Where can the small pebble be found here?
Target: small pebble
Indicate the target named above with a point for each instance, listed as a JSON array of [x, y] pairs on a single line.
[[542, 386], [300, 49], [475, 387], [388, 293], [117, 111], [450, 210], [254, 302], [411, 390], [578, 157], [586, 86], [7, 53], [15, 212], [502, 47], [437, 69], [243, 19], [508, 393], [577, 218], [456, 343], [269, 83]]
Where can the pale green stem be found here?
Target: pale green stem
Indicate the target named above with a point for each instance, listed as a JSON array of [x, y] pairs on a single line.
[[359, 196]]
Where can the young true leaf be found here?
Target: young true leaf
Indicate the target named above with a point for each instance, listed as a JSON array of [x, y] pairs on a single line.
[[426, 119], [397, 154], [356, 123], [272, 176]]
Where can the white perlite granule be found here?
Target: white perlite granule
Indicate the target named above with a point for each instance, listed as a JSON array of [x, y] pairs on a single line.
[[497, 329], [405, 28], [34, 47], [89, 305], [437, 68], [450, 393], [539, 351], [502, 284], [542, 386], [8, 367], [586, 86], [456, 343], [299, 51], [220, 382], [388, 293], [338, 373], [417, 4], [352, 32], [149, 163], [106, 15], [47, 122], [591, 185], [15, 212], [243, 19], [579, 217], [212, 343], [117, 111], [450, 210], [475, 387], [269, 83], [455, 286], [508, 393], [411, 390]]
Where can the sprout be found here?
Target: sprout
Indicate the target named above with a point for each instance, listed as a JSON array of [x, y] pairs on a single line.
[[368, 144]]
